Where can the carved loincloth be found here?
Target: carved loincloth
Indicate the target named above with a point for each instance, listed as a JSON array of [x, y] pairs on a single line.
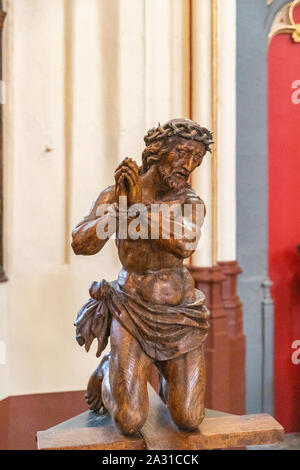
[[163, 331]]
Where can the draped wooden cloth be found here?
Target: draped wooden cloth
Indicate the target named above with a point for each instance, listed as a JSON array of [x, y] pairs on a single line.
[[164, 332]]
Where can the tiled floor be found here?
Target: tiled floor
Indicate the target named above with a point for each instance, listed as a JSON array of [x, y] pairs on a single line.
[[290, 442]]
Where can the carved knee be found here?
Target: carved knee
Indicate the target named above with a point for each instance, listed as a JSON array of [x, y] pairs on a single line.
[[129, 421], [187, 419]]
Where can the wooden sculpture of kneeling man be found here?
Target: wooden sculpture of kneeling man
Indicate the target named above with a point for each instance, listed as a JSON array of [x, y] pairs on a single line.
[[152, 313]]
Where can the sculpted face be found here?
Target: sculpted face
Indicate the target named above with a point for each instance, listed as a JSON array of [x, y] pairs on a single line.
[[180, 161]]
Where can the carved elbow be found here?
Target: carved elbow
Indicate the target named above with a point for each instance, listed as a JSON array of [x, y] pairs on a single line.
[[181, 251], [76, 242], [186, 253], [76, 247], [187, 248], [84, 246]]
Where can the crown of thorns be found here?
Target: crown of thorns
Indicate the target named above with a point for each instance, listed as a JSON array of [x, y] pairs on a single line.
[[182, 129]]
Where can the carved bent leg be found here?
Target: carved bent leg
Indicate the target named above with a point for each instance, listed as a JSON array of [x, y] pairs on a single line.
[[184, 388], [124, 388], [93, 395]]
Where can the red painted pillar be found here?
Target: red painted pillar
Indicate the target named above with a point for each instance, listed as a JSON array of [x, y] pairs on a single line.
[[237, 339], [225, 348], [217, 346]]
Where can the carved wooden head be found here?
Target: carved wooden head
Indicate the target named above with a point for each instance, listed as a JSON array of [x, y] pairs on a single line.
[[176, 148]]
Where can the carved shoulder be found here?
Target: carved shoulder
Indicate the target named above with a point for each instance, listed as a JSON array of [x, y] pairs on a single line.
[[105, 197], [190, 197]]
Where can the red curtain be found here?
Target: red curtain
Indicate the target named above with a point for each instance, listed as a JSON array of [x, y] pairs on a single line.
[[284, 222]]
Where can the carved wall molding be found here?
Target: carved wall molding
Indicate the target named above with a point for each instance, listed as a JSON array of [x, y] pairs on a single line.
[[214, 104], [293, 28], [215, 109], [3, 277]]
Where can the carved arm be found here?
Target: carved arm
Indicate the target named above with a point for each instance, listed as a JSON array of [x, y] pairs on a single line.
[[85, 236]]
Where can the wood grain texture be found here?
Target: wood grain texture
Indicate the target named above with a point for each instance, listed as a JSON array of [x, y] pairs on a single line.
[[87, 431], [218, 430], [152, 312], [88, 439]]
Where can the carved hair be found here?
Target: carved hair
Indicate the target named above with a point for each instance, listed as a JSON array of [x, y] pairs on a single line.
[[158, 138]]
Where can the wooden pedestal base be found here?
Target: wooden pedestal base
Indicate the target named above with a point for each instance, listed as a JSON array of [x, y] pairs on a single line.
[[218, 431]]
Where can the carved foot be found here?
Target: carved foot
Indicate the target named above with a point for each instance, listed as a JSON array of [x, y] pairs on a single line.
[[94, 395]]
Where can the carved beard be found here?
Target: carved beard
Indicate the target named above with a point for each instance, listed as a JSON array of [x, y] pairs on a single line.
[[173, 180]]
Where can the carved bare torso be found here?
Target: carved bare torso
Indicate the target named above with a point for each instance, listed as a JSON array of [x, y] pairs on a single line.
[[171, 284], [152, 269], [153, 314]]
